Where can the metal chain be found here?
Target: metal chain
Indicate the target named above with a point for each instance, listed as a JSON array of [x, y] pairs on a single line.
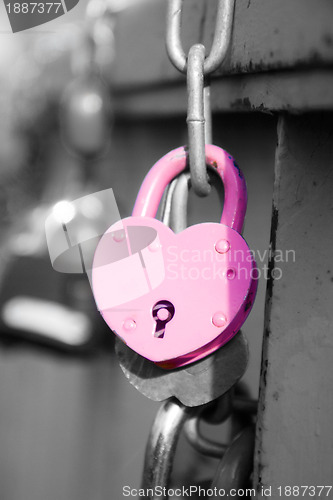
[[197, 67], [221, 40]]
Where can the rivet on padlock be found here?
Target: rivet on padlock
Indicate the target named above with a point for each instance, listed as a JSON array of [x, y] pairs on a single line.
[[206, 272]]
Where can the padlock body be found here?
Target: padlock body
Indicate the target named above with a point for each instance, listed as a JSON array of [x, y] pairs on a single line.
[[207, 272]]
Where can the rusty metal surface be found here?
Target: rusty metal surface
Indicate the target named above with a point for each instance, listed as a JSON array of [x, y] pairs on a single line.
[[266, 92], [296, 401], [267, 35]]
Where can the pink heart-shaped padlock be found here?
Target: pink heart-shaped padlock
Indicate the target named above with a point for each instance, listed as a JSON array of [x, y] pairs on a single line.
[[175, 298]]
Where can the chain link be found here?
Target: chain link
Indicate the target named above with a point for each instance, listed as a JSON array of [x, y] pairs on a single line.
[[221, 40], [196, 120]]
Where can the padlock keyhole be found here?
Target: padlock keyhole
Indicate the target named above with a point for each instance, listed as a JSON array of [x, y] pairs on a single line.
[[163, 312]]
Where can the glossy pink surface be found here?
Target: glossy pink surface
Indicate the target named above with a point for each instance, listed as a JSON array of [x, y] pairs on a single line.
[[212, 291]]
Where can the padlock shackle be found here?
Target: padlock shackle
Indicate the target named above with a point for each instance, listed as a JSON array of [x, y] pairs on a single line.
[[172, 164]]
